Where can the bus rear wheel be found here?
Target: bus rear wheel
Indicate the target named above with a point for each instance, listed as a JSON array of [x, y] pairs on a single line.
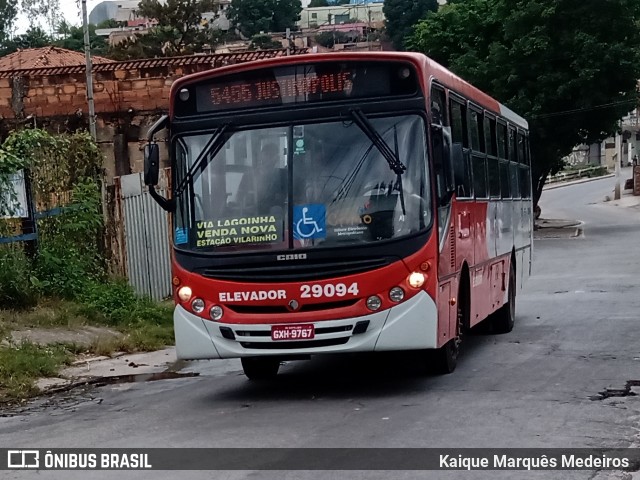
[[260, 368], [504, 318]]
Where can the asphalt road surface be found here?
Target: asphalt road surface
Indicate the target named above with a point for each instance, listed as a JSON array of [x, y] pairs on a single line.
[[577, 334]]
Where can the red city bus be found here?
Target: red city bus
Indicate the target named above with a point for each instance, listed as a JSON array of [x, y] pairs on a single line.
[[350, 202]]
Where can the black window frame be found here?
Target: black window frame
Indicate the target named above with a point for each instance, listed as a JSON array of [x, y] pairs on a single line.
[[505, 182], [463, 171], [502, 147]]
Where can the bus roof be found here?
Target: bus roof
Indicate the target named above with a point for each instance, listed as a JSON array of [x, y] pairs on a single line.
[[431, 69]]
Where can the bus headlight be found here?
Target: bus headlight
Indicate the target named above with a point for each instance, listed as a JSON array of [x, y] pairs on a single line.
[[197, 305], [416, 279], [216, 312], [374, 302], [184, 294], [396, 294]]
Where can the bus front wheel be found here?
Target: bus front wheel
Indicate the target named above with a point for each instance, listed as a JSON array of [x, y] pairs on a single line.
[[445, 359], [260, 368]]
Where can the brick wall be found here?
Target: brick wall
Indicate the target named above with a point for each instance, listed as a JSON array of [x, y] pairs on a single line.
[[128, 96]]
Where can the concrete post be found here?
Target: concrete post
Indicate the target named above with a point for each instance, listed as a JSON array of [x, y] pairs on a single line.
[[87, 56], [618, 159]]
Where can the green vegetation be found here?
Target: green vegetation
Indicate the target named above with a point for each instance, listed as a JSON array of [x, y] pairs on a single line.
[[21, 364], [255, 16], [568, 66], [263, 42], [402, 16], [65, 284]]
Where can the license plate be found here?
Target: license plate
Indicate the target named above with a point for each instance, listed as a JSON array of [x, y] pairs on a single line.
[[292, 332]]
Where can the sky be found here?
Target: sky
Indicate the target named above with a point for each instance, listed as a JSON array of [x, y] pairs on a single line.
[[70, 9]]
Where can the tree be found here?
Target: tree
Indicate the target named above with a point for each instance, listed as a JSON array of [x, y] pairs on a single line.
[[254, 16], [181, 30], [568, 66], [35, 37], [402, 15], [318, 3], [74, 40], [47, 9], [329, 39], [110, 23], [180, 22], [263, 42], [8, 14]]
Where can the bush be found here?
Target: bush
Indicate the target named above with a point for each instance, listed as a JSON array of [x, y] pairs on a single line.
[[16, 283], [118, 305], [263, 42], [329, 39]]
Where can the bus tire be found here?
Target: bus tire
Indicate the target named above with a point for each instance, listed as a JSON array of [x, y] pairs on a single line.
[[504, 318], [260, 368], [445, 359]]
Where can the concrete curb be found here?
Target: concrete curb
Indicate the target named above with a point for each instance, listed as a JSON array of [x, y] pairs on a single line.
[[576, 182], [97, 369]]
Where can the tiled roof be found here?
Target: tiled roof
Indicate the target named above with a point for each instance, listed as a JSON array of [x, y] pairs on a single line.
[[214, 60], [45, 57]]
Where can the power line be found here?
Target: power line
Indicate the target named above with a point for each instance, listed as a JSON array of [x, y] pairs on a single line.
[[586, 109]]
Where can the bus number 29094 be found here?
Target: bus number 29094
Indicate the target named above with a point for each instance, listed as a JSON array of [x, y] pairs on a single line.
[[329, 290]]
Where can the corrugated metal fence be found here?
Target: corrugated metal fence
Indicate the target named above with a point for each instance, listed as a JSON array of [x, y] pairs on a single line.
[[146, 236]]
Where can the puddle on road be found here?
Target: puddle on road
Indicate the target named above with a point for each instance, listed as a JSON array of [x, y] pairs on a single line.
[[141, 377], [617, 392]]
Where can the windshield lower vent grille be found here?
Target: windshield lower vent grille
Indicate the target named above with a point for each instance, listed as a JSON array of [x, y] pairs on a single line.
[[279, 309], [292, 272]]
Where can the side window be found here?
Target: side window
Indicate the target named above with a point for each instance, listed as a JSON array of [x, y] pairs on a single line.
[[461, 167], [475, 129], [505, 189], [493, 174], [458, 123], [515, 190], [502, 140], [521, 149], [512, 145], [525, 182], [479, 177], [490, 136], [438, 107]]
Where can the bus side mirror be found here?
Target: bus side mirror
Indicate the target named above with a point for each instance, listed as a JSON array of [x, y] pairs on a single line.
[[151, 164]]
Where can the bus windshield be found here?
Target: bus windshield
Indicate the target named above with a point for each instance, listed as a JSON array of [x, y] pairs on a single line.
[[300, 186]]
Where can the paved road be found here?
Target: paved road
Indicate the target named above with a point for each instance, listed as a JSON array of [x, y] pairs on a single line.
[[577, 334]]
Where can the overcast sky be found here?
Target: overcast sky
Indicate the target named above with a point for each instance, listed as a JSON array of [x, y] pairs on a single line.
[[69, 8], [71, 11]]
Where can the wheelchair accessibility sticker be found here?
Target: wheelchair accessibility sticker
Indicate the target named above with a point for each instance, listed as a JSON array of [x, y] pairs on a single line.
[[309, 221]]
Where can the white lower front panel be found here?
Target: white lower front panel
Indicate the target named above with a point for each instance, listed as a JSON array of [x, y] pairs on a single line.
[[407, 326]]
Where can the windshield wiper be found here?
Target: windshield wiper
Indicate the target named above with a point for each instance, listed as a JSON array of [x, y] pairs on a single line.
[[210, 150], [389, 155]]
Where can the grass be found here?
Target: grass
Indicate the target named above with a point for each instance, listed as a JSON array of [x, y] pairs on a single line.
[[143, 325], [21, 365]]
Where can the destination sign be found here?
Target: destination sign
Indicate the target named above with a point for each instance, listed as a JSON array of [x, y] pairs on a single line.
[[299, 84]]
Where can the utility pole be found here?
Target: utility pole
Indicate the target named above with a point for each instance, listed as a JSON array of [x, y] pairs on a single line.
[[87, 56], [618, 157], [288, 37]]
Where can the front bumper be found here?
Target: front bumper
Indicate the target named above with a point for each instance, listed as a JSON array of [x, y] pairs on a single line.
[[410, 325]]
